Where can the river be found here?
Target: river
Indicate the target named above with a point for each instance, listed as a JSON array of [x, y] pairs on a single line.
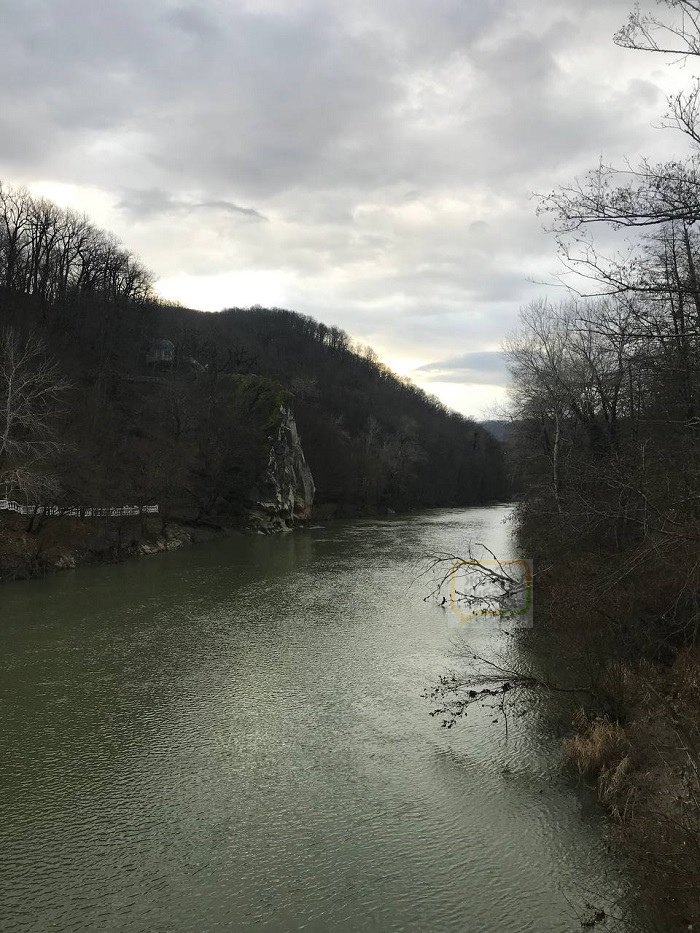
[[233, 737]]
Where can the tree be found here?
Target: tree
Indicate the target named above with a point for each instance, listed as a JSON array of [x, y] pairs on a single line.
[[646, 196], [677, 34], [48, 251], [31, 388]]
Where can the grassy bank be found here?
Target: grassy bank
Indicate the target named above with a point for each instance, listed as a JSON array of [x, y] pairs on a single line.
[[646, 773]]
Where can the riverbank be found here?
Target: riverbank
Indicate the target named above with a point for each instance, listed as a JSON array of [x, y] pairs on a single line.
[[636, 736], [645, 769], [632, 722], [64, 543]]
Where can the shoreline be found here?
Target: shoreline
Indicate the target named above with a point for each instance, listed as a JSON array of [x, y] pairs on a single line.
[[64, 543], [75, 543], [643, 769]]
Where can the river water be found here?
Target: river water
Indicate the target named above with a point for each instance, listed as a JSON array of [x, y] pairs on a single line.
[[233, 737]]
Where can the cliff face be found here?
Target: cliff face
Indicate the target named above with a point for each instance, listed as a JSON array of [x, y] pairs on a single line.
[[284, 494]]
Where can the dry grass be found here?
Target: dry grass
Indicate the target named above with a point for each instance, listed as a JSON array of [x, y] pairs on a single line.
[[598, 747], [686, 678], [617, 789], [648, 779], [602, 750]]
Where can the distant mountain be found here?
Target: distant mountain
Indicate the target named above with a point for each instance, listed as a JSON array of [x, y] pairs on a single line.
[[501, 430]]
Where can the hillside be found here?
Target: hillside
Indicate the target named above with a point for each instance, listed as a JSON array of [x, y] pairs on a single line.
[[131, 400], [373, 440]]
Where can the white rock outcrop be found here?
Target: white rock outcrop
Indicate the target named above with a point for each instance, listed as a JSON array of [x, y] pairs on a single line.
[[284, 495]]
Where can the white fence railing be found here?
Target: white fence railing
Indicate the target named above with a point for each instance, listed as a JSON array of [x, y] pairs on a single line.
[[124, 511]]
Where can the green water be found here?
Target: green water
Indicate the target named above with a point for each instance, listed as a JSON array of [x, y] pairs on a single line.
[[232, 737]]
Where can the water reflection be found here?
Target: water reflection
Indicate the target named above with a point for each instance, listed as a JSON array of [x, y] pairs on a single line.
[[233, 737]]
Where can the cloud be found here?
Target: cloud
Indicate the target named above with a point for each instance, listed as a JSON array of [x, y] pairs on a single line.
[[481, 367], [231, 208], [374, 163], [146, 203]]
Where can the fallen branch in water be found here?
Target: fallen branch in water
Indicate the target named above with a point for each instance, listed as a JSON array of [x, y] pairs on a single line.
[[489, 680], [475, 568], [477, 586]]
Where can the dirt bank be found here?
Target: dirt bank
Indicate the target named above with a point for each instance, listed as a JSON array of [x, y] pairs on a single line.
[[65, 543]]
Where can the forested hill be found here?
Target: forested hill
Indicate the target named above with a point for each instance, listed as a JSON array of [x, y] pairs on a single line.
[[371, 439], [158, 403]]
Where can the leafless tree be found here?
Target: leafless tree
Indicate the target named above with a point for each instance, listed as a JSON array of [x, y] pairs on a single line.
[[31, 389], [47, 251], [675, 33]]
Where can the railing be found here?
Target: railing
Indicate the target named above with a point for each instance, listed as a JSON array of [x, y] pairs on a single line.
[[124, 511]]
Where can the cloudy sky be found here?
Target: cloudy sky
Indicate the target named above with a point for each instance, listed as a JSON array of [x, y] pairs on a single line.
[[369, 163]]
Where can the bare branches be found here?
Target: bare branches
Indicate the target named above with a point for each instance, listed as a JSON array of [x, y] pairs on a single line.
[[478, 585], [493, 682], [643, 196], [679, 35], [50, 252], [31, 388]]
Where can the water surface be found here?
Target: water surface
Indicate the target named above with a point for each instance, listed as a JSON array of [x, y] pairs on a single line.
[[232, 737]]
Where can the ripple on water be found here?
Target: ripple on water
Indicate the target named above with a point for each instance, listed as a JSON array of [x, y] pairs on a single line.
[[234, 738]]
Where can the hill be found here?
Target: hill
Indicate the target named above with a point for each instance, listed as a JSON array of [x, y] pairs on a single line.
[[372, 440], [144, 402]]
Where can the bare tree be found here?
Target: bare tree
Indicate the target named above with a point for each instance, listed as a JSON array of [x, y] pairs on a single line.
[[46, 250], [31, 388], [645, 196], [675, 33]]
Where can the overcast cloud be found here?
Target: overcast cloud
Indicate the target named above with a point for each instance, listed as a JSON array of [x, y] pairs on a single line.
[[369, 164]]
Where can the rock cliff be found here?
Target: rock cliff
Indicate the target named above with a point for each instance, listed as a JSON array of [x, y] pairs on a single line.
[[284, 494]]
